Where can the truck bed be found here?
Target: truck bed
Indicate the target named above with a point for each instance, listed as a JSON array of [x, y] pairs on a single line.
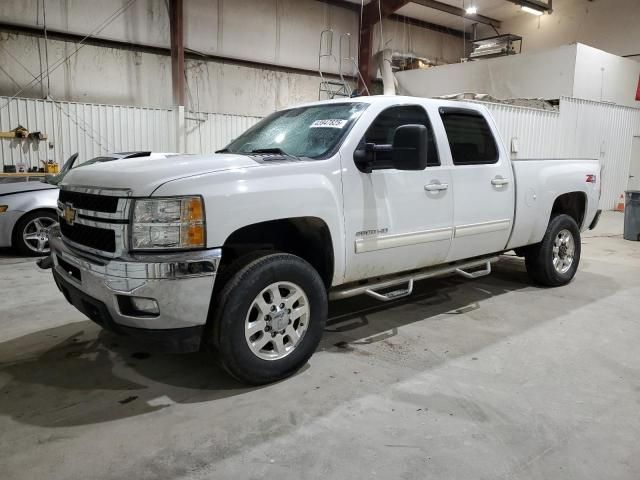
[[538, 183]]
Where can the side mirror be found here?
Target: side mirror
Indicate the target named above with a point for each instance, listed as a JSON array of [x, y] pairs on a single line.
[[364, 158], [409, 151]]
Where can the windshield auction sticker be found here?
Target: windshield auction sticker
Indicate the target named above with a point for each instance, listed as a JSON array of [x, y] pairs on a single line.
[[329, 123]]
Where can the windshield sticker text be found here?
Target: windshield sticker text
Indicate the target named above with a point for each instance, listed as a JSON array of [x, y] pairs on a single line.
[[329, 123]]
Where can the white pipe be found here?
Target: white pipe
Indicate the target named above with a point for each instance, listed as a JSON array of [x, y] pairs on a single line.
[[384, 64]]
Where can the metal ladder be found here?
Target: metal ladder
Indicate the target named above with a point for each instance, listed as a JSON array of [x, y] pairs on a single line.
[[342, 87]]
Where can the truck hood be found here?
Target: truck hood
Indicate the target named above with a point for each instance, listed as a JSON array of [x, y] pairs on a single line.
[[144, 175], [22, 187]]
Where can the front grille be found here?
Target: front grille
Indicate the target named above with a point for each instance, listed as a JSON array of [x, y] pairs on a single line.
[[88, 201], [92, 237]]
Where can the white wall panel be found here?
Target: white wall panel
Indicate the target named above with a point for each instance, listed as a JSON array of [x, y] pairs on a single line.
[[144, 21], [529, 126], [546, 75], [604, 131], [580, 129], [89, 129], [208, 132], [610, 25], [95, 129]]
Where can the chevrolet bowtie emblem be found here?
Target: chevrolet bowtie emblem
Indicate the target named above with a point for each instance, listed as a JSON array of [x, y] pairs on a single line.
[[69, 214]]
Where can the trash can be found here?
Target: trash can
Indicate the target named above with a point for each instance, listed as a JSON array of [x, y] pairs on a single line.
[[632, 215]]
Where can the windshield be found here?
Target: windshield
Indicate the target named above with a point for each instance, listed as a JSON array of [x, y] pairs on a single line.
[[311, 132]]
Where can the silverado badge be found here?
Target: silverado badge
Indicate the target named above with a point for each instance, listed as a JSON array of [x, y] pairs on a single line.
[[69, 214]]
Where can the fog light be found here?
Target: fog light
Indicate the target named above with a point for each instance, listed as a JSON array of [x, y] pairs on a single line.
[[138, 306], [145, 305]]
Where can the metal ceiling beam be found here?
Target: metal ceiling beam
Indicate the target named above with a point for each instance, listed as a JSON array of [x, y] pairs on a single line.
[[189, 54], [535, 4], [459, 12], [353, 7], [430, 26], [372, 13]]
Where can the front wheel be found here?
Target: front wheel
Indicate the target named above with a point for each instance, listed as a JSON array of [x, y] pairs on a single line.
[[269, 318], [554, 261]]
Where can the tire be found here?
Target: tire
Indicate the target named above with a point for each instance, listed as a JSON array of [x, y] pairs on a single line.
[[244, 319], [37, 225], [544, 265]]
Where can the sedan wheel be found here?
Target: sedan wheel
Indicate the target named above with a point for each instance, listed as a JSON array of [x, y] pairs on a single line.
[[31, 235]]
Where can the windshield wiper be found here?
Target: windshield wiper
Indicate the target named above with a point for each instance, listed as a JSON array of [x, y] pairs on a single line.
[[270, 150], [222, 150]]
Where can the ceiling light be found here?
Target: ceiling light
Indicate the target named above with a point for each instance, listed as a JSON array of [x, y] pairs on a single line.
[[532, 11], [472, 10]]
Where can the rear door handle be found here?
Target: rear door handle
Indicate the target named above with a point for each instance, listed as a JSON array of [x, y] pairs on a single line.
[[499, 181], [436, 187]]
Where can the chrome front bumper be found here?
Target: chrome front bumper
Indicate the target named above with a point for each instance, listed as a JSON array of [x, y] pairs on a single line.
[[181, 283]]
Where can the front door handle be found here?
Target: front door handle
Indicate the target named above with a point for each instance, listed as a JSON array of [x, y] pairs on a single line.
[[436, 187], [499, 181]]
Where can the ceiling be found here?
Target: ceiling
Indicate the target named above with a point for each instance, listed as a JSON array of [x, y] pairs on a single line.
[[495, 9]]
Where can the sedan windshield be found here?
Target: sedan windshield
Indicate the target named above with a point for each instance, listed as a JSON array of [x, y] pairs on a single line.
[[311, 132]]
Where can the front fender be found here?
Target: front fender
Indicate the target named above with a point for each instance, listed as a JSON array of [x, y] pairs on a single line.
[[33, 200], [237, 198], [20, 204]]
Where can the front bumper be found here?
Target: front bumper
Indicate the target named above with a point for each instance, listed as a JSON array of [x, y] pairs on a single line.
[[181, 283]]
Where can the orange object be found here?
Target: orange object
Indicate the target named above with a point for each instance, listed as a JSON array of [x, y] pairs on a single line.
[[620, 204], [52, 168], [195, 236], [195, 212]]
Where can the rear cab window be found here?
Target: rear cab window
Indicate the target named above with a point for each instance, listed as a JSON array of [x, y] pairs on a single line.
[[470, 138]]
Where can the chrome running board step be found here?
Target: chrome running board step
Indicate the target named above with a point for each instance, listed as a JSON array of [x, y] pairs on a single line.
[[394, 295], [371, 287], [477, 273]]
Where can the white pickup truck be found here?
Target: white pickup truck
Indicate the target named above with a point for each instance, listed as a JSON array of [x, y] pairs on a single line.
[[242, 250]]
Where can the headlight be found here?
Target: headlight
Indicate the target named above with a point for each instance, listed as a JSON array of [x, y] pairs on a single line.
[[168, 223]]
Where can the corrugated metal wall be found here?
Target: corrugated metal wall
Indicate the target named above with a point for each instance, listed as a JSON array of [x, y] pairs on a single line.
[[96, 129], [529, 126], [604, 131], [580, 129], [208, 132], [89, 129]]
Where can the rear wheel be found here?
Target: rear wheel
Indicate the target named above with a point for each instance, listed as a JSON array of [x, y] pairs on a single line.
[[31, 233], [554, 261], [269, 318]]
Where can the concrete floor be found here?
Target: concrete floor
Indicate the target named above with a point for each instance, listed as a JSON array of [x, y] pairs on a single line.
[[483, 379]]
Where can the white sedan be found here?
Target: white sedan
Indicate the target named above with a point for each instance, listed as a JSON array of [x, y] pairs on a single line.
[[28, 209]]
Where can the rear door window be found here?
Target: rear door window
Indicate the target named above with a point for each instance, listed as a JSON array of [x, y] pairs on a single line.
[[470, 138]]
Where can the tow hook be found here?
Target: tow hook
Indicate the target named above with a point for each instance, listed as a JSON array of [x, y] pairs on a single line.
[[45, 263]]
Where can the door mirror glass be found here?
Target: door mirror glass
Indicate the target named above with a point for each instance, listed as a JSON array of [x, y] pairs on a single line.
[[409, 150]]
